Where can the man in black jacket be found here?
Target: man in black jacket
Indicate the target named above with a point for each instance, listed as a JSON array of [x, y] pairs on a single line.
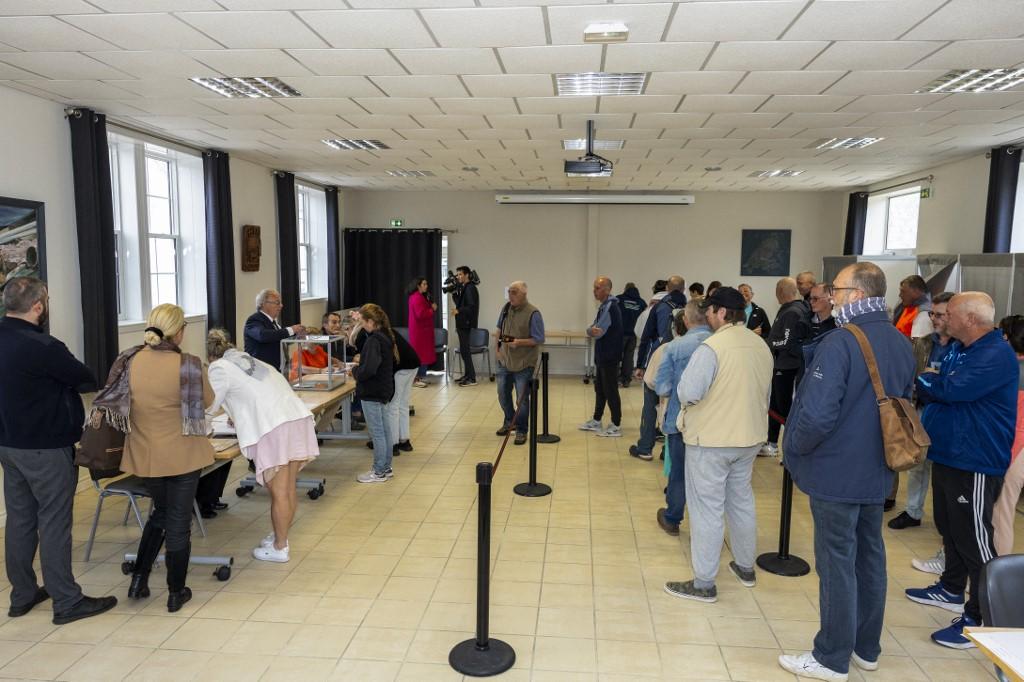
[[467, 313], [631, 304], [41, 418], [263, 333], [791, 328], [757, 318]]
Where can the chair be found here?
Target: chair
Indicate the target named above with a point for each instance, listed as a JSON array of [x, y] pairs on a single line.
[[441, 349], [403, 332], [132, 487], [1002, 582], [479, 344]]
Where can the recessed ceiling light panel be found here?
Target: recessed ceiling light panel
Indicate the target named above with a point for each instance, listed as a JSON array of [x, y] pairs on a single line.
[[400, 173], [776, 173], [844, 142], [346, 144], [248, 86], [613, 32], [580, 144], [976, 80], [596, 83]]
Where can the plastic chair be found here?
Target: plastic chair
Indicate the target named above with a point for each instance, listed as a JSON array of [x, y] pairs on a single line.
[[403, 332], [441, 349], [1002, 582], [479, 344]]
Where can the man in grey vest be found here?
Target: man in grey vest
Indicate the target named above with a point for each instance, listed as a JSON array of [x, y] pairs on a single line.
[[520, 335]]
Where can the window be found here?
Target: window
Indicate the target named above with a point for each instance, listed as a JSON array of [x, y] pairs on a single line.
[[311, 226], [444, 275], [892, 219], [159, 226]]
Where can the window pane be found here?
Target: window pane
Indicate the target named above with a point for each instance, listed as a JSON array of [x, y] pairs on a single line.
[[158, 182], [163, 289], [303, 269], [162, 256], [901, 232], [159, 215]]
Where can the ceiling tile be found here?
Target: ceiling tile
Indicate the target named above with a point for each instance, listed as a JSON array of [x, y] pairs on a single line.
[[965, 54], [788, 82], [511, 85], [646, 22], [447, 121], [557, 105], [251, 62], [142, 32], [401, 4], [601, 121], [398, 105], [692, 82], [762, 120], [710, 103], [420, 86], [380, 121], [320, 105], [13, 8], [449, 60], [764, 56], [806, 103], [724, 21], [978, 100], [370, 28], [254, 29], [960, 19], [156, 5], [863, 55], [169, 107], [976, 116], [243, 121], [486, 27], [689, 133], [524, 121], [859, 19], [686, 120], [308, 121], [11, 73], [632, 57], [154, 63], [47, 33], [883, 82], [335, 86], [248, 105], [870, 103], [551, 59], [62, 65], [639, 104], [174, 122], [80, 90], [333, 62], [477, 105]]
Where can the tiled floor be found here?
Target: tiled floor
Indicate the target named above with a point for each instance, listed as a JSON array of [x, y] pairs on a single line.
[[382, 582]]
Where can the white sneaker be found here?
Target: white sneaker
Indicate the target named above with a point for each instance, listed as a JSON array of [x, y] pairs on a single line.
[[610, 431], [268, 541], [862, 664], [372, 477], [936, 565], [592, 425], [805, 665], [769, 450], [278, 556]]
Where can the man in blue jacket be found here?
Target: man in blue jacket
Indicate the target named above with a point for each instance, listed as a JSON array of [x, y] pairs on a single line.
[[834, 451], [263, 333], [970, 412], [607, 334], [631, 304]]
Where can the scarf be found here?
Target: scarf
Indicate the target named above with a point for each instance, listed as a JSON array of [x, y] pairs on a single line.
[[845, 314], [114, 401]]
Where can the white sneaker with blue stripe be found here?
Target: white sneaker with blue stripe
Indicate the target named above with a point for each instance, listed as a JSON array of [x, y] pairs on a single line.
[[937, 595], [953, 636]]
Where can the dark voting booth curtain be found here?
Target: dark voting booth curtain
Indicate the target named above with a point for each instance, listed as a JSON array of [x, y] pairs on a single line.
[[94, 215], [333, 251], [220, 243], [287, 247], [856, 222], [379, 264], [1004, 170]]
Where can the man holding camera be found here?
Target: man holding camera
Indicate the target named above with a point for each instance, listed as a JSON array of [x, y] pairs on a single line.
[[467, 311]]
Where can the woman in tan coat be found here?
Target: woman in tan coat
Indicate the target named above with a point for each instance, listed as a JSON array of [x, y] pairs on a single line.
[[166, 444]]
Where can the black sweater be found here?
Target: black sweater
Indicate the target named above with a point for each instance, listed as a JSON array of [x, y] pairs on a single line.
[[40, 405], [468, 305], [375, 373]]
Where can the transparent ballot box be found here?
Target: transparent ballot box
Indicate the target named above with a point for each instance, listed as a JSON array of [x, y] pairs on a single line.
[[314, 363]]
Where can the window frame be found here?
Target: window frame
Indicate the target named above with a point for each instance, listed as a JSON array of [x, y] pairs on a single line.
[[912, 191], [142, 155]]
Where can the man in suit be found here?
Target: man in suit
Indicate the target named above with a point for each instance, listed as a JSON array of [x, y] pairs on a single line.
[[263, 333]]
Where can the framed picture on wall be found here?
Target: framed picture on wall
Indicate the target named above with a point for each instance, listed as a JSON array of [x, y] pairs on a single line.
[[765, 253], [22, 243]]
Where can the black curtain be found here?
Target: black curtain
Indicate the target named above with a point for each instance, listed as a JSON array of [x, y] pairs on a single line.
[[333, 251], [220, 243], [379, 264], [287, 247], [1002, 191], [94, 216], [856, 220]]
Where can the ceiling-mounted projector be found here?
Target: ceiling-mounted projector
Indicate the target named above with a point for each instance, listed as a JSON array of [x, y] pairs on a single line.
[[590, 165]]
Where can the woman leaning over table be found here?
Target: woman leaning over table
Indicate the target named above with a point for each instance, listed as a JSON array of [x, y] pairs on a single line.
[[275, 430], [158, 395]]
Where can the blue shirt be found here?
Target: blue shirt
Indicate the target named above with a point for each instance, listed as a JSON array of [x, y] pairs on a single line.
[[674, 360], [603, 321]]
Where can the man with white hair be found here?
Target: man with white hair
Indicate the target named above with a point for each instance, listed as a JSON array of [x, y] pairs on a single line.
[[970, 415], [263, 332], [520, 336]]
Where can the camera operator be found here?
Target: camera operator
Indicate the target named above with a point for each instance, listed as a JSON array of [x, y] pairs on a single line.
[[467, 311]]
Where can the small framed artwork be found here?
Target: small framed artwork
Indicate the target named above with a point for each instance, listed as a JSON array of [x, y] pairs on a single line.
[[765, 253], [22, 241], [251, 248]]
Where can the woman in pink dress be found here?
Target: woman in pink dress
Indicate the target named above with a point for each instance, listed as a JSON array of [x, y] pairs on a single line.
[[421, 327]]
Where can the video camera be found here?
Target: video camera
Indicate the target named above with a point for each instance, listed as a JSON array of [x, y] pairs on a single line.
[[451, 284]]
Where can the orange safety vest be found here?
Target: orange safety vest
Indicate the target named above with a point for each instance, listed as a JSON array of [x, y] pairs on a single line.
[[906, 322]]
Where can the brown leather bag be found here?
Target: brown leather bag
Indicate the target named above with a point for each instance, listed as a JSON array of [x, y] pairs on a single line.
[[903, 436], [101, 446]]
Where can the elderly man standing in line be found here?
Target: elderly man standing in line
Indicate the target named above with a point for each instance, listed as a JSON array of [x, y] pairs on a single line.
[[806, 281], [674, 359], [41, 417], [970, 414], [910, 315], [791, 328], [834, 451], [263, 333], [821, 311], [520, 335], [607, 334], [724, 393]]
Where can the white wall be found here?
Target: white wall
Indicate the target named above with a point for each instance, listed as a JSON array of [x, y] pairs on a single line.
[[35, 164]]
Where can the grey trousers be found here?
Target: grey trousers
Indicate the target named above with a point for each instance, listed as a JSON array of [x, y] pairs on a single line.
[[718, 490], [39, 492]]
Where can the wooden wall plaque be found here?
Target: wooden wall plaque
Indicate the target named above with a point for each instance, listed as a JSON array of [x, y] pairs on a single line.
[[251, 248]]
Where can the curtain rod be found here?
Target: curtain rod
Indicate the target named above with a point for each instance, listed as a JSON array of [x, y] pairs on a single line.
[[928, 178]]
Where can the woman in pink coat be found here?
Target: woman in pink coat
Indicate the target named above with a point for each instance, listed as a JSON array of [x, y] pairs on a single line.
[[421, 327]]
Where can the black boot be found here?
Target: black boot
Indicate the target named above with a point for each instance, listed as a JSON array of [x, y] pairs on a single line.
[[177, 570], [149, 549]]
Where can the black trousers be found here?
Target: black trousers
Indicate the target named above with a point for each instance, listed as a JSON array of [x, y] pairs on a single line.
[[962, 503], [211, 486], [628, 350], [468, 370], [606, 388], [783, 381], [173, 497]]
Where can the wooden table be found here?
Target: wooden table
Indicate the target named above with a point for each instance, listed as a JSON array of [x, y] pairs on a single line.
[[574, 340], [1014, 670]]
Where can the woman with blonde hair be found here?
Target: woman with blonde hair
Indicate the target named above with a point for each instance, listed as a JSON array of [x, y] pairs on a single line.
[[274, 427], [375, 387], [156, 394]]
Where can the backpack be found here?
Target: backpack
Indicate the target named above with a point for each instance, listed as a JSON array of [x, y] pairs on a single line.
[[903, 435]]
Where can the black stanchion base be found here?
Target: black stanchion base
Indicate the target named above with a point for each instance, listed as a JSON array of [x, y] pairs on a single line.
[[790, 566], [532, 489], [468, 659], [548, 438]]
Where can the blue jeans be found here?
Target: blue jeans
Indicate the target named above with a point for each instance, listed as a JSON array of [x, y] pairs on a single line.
[[521, 379], [648, 422], [422, 371], [377, 423], [918, 479], [675, 493], [849, 556]]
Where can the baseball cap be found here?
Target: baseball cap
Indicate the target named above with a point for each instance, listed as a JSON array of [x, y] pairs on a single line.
[[724, 297]]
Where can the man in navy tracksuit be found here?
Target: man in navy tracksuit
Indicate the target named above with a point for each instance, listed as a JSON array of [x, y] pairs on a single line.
[[970, 413], [607, 334], [631, 304]]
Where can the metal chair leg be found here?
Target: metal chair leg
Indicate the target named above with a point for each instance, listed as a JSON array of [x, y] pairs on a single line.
[[95, 523], [135, 508], [127, 511]]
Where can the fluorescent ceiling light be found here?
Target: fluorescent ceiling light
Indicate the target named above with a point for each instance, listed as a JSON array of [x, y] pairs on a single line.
[[776, 173], [594, 83], [606, 173], [844, 142], [613, 32], [976, 80], [399, 173], [355, 145], [599, 145], [248, 86]]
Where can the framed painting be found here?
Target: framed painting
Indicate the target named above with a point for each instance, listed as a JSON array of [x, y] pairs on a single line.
[[22, 241], [765, 253]]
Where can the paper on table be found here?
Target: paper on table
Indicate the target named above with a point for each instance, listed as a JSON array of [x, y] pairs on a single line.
[[1007, 646], [222, 444], [220, 426]]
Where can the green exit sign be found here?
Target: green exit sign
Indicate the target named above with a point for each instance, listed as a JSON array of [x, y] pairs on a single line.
[[926, 192], [396, 222]]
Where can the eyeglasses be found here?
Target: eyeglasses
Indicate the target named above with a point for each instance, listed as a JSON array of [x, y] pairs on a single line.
[[936, 315], [831, 289], [819, 298]]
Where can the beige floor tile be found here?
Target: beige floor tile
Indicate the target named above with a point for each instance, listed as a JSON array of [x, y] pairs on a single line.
[[371, 565], [260, 638], [387, 644], [45, 661], [427, 672], [9, 650], [387, 613], [633, 626], [235, 667], [743, 632], [289, 668], [420, 567], [339, 611], [348, 670], [230, 606], [573, 596], [449, 616], [202, 634], [105, 663], [144, 631], [33, 627], [945, 670], [362, 586], [168, 666], [692, 662], [566, 622], [286, 608], [624, 658], [456, 590], [565, 654], [433, 646], [319, 641], [750, 664]]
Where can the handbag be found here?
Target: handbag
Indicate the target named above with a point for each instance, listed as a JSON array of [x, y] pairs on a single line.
[[101, 445], [903, 435]]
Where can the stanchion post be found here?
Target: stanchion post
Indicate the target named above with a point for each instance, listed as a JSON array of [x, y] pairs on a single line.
[[782, 562], [482, 656], [545, 437], [532, 488]]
